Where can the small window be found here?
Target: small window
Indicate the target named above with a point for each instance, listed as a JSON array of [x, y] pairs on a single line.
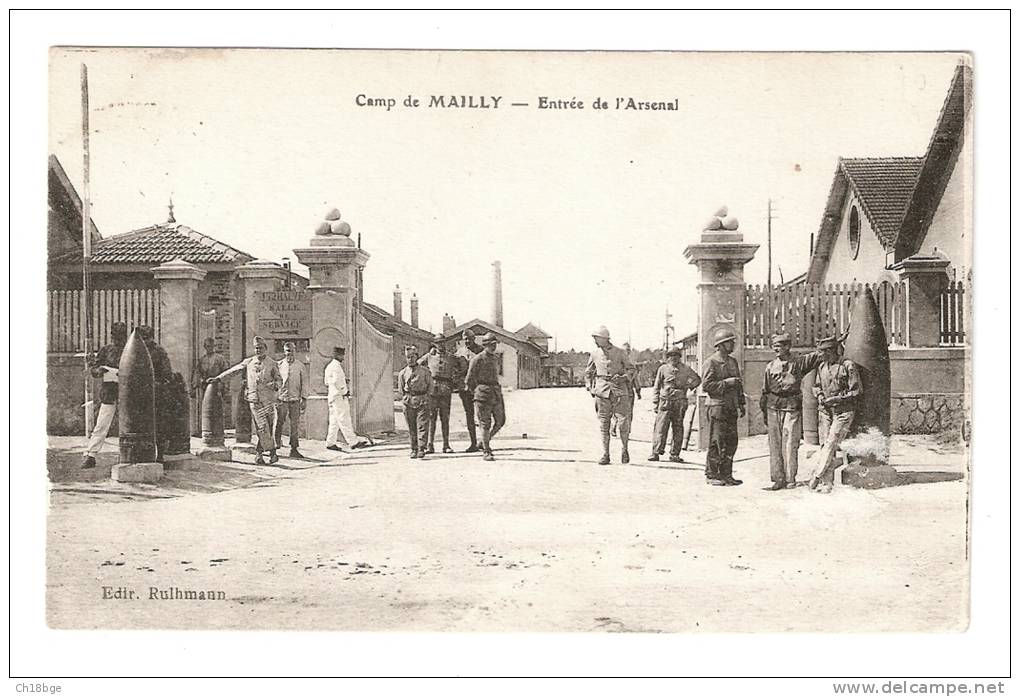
[[854, 237]]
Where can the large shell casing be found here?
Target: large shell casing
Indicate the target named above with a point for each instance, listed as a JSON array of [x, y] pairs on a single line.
[[136, 403]]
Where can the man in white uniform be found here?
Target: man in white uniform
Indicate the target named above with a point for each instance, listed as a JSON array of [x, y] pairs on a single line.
[[339, 398]]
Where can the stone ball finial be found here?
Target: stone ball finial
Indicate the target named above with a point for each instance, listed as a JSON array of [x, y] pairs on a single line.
[[713, 223], [722, 212], [340, 227], [730, 223], [322, 228], [332, 214]]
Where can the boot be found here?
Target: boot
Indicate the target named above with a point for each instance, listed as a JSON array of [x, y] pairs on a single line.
[[625, 455], [654, 457], [605, 449]]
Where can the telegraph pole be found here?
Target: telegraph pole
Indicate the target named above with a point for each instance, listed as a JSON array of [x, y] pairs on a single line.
[[769, 278], [667, 330], [86, 245]]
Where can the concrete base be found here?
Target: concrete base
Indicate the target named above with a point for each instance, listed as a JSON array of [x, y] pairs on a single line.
[[220, 453], [861, 476], [316, 417], [143, 472], [179, 462]]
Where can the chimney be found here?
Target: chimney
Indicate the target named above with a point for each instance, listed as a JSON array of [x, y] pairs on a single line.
[[497, 294], [448, 323], [414, 310], [398, 303]]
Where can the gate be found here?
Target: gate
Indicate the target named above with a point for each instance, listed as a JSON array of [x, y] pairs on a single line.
[[373, 378]]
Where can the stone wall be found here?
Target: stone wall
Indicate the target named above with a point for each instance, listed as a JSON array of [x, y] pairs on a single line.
[[928, 412]]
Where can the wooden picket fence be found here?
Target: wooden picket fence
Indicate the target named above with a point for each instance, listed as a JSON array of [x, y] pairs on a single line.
[[811, 311], [65, 331], [951, 315]]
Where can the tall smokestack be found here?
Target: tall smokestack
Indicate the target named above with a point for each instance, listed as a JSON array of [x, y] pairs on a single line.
[[497, 294], [398, 303], [414, 310]]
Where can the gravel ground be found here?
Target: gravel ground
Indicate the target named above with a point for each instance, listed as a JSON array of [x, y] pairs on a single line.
[[540, 540]]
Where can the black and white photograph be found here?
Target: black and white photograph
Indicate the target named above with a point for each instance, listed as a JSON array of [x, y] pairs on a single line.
[[466, 343]]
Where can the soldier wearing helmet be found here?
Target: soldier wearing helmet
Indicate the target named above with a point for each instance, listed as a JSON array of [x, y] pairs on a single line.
[[414, 385], [721, 381], [483, 379], [104, 365], [609, 378]]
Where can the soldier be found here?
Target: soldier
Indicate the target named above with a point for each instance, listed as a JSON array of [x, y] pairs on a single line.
[[838, 388], [721, 381], [414, 384], [162, 377], [483, 380], [442, 368], [635, 389], [609, 378], [469, 342], [669, 400], [782, 410], [210, 364], [105, 365], [292, 398], [261, 383], [467, 400], [338, 397]]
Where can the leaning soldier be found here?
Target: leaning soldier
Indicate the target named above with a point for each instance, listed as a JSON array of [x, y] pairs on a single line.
[[483, 380], [838, 389], [105, 365], [467, 399], [442, 369], [262, 382], [414, 385], [782, 410], [669, 401], [721, 381], [609, 377]]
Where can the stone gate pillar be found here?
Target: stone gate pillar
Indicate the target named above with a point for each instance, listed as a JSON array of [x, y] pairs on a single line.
[[178, 280], [333, 262], [720, 258], [926, 278]]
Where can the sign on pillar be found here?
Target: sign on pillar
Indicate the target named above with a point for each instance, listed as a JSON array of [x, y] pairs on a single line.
[[720, 257]]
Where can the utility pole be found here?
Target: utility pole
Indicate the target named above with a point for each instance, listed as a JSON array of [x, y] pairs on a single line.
[[86, 245], [769, 278], [667, 330]]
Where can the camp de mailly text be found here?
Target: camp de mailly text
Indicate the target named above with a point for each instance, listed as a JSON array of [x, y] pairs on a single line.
[[482, 101]]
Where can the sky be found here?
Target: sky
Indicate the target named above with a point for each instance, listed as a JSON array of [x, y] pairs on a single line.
[[588, 211]]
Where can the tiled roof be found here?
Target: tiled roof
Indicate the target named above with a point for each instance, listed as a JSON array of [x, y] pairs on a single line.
[[884, 186], [165, 242]]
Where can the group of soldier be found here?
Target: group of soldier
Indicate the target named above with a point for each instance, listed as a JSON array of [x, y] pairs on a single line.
[[276, 394], [611, 380], [426, 387]]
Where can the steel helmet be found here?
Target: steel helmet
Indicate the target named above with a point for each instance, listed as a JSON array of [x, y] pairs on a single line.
[[722, 335], [602, 332]]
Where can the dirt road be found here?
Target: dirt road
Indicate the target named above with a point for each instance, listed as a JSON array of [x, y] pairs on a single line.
[[540, 540]]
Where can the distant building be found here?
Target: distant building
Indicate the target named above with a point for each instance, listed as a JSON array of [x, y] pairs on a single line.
[[403, 333], [520, 359]]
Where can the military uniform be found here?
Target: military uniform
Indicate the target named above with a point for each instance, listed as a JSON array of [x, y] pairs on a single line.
[[467, 399], [781, 403], [414, 384], [838, 383], [609, 377], [483, 380], [209, 365], [442, 368], [669, 398], [721, 381]]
